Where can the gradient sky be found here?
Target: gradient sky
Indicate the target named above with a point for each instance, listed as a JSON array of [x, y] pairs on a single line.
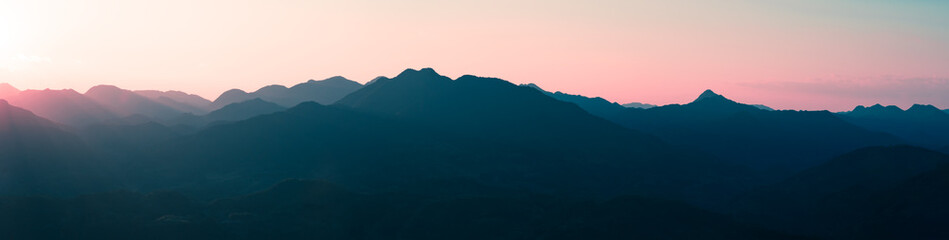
[[786, 54]]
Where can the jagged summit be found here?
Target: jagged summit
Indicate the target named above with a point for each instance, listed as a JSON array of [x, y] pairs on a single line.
[[424, 73], [708, 94], [876, 109], [923, 108], [377, 79]]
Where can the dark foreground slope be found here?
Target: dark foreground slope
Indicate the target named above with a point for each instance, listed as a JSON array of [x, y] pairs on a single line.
[[299, 209], [886, 187]]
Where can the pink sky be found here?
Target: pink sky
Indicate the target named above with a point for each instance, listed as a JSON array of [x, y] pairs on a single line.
[[797, 54]]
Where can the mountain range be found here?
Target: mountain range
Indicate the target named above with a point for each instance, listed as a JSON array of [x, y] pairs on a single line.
[[424, 156], [325, 91]]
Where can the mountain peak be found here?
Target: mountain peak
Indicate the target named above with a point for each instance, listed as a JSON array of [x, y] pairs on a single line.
[[423, 73], [925, 109], [337, 79], [708, 95]]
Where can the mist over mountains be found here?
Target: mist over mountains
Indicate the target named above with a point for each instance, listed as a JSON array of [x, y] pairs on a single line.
[[423, 156]]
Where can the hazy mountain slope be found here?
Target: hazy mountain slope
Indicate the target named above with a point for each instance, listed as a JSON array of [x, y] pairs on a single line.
[[62, 106], [125, 103], [178, 100], [37, 157], [7, 90]]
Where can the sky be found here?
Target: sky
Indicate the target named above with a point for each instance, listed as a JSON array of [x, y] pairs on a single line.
[[804, 54]]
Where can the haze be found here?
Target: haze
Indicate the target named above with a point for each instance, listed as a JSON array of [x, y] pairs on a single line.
[[800, 54]]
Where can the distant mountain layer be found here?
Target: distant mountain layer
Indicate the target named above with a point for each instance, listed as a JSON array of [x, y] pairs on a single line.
[[181, 101], [639, 105], [306, 209], [325, 92], [923, 125], [104, 104], [126, 103], [841, 198], [63, 106]]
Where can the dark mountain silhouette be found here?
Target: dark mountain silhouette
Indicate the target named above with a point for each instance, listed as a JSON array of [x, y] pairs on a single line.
[[325, 91], [596, 106], [424, 156], [518, 116], [37, 157], [230, 113], [776, 142], [513, 114], [923, 125], [181, 101], [836, 197], [421, 126], [639, 105], [62, 106], [126, 103]]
